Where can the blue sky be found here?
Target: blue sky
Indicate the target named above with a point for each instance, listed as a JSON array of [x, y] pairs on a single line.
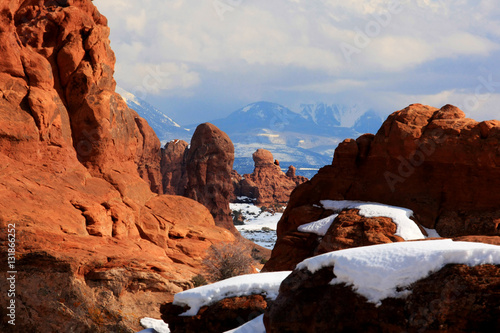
[[201, 60]]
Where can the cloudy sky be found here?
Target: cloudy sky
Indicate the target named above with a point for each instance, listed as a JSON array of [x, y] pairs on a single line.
[[200, 60]]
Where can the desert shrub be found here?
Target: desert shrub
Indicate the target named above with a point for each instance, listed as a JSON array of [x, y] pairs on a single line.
[[199, 280], [225, 260], [238, 218]]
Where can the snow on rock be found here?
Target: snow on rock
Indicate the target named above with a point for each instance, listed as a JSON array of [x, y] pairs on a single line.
[[254, 326], [382, 271], [318, 227], [431, 233], [244, 285], [154, 325], [406, 228]]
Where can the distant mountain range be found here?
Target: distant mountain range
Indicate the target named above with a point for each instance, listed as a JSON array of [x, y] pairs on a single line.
[[306, 140]]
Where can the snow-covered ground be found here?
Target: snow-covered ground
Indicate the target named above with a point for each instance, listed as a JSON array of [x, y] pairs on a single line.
[[259, 227], [244, 285], [381, 271], [406, 227]]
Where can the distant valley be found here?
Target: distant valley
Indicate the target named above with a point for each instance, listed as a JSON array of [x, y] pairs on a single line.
[[306, 140]]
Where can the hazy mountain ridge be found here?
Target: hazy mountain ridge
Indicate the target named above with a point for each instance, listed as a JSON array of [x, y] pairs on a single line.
[[306, 140], [165, 128]]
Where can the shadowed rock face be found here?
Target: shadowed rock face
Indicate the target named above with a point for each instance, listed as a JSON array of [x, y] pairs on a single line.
[[202, 171], [443, 166], [96, 248], [458, 298], [221, 316], [173, 167]]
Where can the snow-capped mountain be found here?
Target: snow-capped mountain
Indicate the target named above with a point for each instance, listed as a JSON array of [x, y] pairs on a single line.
[[340, 117], [261, 115], [306, 140], [369, 122], [165, 128]]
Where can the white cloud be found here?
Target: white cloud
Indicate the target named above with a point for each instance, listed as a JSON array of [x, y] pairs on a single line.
[[271, 48], [479, 107], [156, 77]]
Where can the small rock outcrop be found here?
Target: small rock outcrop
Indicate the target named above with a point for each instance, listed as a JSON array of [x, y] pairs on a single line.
[[268, 185], [348, 230], [457, 298], [436, 162], [221, 316]]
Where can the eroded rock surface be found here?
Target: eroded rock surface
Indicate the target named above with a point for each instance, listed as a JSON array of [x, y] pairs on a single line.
[[97, 248]]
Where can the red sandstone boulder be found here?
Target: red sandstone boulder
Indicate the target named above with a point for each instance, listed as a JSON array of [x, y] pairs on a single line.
[[348, 230], [458, 298], [221, 316]]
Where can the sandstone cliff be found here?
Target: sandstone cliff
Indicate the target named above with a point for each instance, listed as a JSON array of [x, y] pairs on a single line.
[[96, 247]]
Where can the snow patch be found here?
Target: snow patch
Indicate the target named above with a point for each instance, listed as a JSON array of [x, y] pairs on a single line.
[[406, 228], [254, 326], [244, 285], [381, 271], [260, 227], [318, 227], [154, 325], [432, 233]]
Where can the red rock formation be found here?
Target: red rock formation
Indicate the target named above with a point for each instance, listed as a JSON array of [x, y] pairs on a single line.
[[443, 166], [96, 249], [173, 167], [209, 163], [202, 171], [458, 298], [221, 316], [348, 230], [268, 184]]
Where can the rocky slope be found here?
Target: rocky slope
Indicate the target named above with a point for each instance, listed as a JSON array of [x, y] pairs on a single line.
[[96, 247], [436, 162]]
